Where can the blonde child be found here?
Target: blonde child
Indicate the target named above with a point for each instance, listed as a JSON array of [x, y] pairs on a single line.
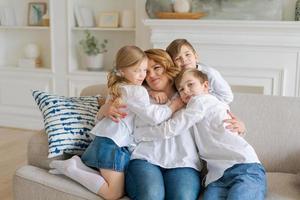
[[109, 152], [234, 170], [185, 56]]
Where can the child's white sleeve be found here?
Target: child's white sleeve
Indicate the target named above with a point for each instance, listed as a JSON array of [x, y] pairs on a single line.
[[178, 124], [219, 86], [138, 102]]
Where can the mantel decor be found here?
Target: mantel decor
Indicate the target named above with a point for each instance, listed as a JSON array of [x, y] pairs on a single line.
[[175, 15]]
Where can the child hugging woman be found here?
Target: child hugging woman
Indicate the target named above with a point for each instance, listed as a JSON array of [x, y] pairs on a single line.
[[109, 152]]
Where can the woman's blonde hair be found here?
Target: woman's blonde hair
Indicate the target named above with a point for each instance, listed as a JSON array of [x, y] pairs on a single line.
[[162, 58], [127, 56]]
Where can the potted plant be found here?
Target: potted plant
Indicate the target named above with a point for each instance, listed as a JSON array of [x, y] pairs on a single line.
[[93, 51]]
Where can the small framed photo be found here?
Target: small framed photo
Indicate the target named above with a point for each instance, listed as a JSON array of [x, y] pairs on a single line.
[[36, 10], [108, 19]]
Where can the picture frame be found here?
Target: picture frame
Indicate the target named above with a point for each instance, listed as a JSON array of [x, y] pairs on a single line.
[[36, 10], [108, 20]]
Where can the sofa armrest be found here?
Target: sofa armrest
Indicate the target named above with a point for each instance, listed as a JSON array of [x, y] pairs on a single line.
[[37, 151]]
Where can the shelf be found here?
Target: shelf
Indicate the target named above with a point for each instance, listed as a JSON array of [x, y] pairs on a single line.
[[24, 28], [89, 73], [167, 23], [102, 29], [29, 70]]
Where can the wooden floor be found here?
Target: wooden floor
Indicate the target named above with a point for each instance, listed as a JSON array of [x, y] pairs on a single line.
[[13, 148]]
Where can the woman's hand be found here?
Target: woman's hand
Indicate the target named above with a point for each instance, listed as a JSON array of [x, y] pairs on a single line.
[[159, 97], [112, 111], [234, 124]]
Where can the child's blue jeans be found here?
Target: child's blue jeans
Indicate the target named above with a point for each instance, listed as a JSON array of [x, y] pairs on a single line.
[[240, 182]]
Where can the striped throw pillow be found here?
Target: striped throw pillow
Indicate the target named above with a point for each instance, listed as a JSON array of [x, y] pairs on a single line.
[[67, 120]]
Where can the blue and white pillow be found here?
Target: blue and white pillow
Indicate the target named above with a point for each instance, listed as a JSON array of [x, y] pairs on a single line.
[[67, 120]]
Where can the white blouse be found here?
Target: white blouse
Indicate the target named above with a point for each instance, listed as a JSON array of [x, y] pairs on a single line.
[[138, 107], [174, 152], [217, 84]]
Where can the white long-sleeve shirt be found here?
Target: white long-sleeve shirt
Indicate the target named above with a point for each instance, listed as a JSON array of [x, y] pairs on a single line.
[[217, 84], [138, 106], [218, 146], [175, 152]]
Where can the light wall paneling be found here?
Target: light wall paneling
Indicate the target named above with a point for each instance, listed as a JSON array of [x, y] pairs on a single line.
[[17, 106], [247, 53], [78, 82]]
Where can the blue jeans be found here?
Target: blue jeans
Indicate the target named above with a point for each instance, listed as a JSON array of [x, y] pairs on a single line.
[[145, 181], [240, 182], [104, 153]]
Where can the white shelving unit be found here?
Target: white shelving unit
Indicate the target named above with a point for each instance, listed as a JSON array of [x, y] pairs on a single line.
[[116, 37], [79, 77], [62, 72]]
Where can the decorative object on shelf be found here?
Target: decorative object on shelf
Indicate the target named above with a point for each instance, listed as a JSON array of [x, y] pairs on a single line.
[[36, 10], [32, 50], [8, 16], [240, 10], [87, 17], [84, 17], [127, 19], [181, 6], [46, 19], [154, 6], [297, 11], [108, 20], [31, 56], [174, 15], [93, 51], [209, 7]]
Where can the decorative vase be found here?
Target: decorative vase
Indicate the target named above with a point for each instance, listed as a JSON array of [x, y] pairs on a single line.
[[93, 62], [31, 50], [46, 19], [181, 6], [154, 6], [127, 19]]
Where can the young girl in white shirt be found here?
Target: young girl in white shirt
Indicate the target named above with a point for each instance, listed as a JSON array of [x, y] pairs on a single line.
[[109, 152]]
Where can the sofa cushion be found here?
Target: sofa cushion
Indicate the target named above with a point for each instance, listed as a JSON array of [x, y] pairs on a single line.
[[67, 121], [283, 186], [35, 183], [39, 183]]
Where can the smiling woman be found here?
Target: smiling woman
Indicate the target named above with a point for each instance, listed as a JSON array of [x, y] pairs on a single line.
[[161, 70], [153, 175]]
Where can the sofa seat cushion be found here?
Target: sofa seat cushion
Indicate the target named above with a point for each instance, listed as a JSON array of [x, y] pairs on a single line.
[[37, 183], [283, 186]]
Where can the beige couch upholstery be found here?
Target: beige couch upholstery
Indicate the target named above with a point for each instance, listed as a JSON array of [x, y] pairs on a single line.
[[273, 129]]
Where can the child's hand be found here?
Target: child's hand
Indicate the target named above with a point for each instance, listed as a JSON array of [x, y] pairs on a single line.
[[176, 104], [111, 111], [159, 97], [234, 124]]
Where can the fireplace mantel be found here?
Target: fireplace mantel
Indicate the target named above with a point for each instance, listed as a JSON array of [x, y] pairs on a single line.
[[262, 55]]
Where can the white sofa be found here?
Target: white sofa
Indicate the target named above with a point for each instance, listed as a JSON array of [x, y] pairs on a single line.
[[272, 128]]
